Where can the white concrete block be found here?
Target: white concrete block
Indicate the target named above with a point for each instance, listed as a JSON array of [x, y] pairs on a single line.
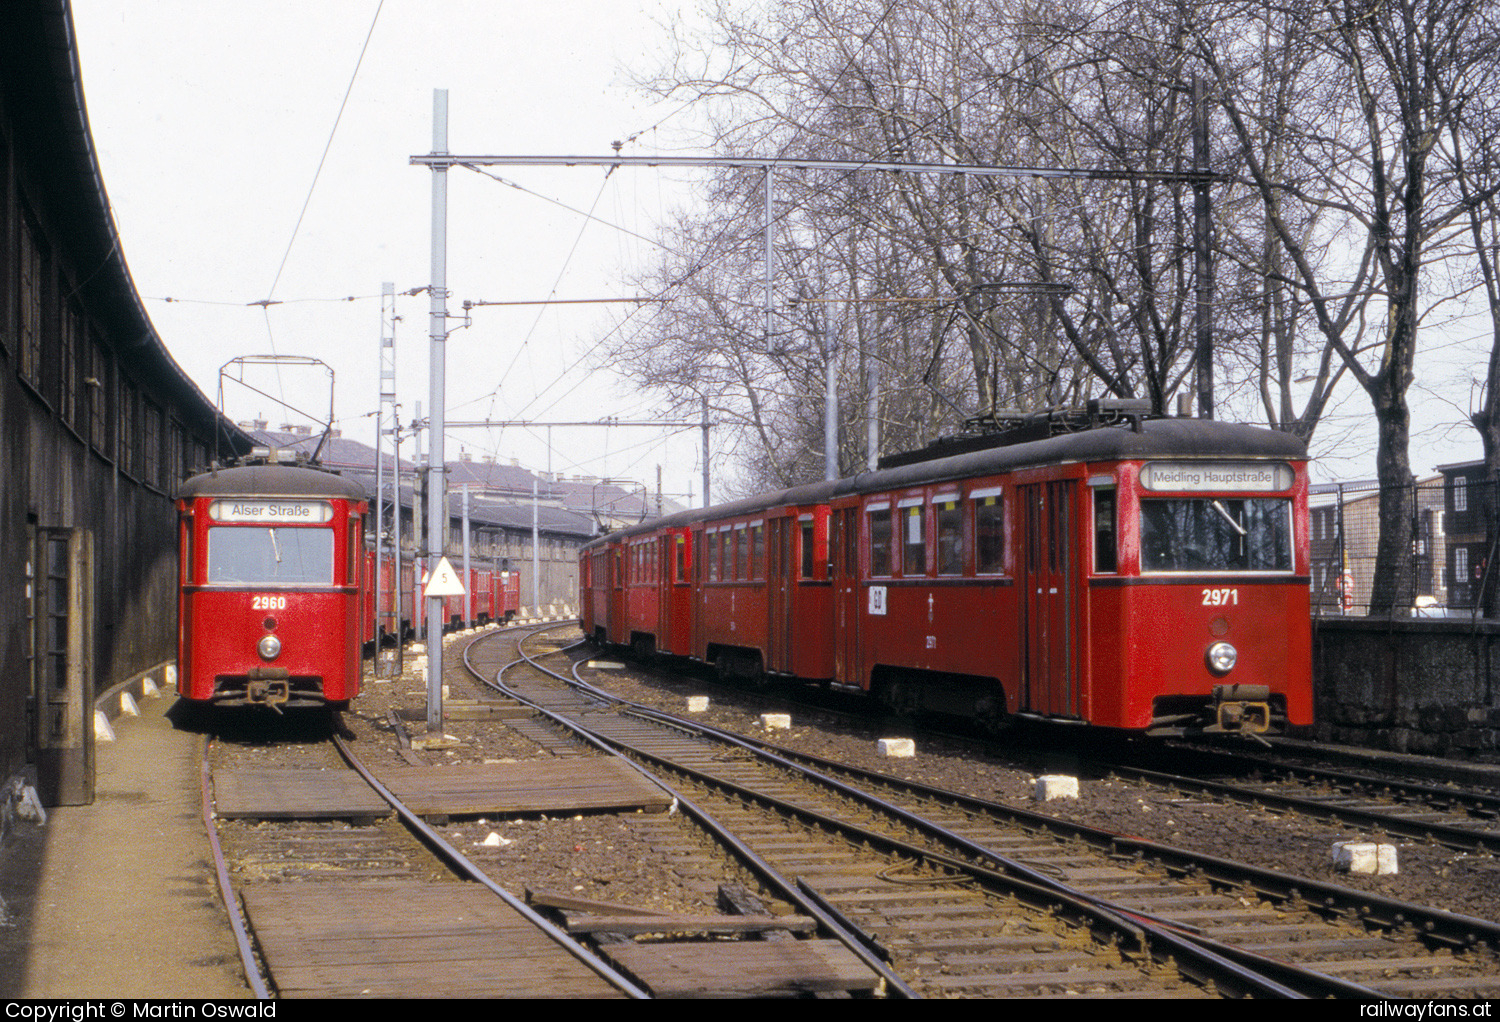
[[606, 665], [1364, 857], [30, 806], [776, 721], [171, 676], [1051, 786], [149, 689], [128, 708], [494, 840], [897, 748], [416, 649], [102, 731], [697, 704]]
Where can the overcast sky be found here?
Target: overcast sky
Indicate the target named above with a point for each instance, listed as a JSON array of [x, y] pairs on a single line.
[[211, 116]]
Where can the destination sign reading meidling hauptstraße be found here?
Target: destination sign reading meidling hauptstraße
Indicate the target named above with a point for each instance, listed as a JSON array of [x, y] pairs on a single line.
[[279, 512], [1202, 476]]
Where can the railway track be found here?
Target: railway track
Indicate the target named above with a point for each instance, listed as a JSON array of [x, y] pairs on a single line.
[[303, 884], [1382, 947], [1462, 818]]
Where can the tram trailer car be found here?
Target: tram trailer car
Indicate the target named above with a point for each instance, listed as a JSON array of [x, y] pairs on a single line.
[[1151, 577], [273, 592], [495, 596]]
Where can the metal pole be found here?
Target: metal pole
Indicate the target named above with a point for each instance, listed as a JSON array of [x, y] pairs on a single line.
[[1202, 261], [830, 407], [770, 270], [468, 579], [437, 505], [705, 451], [378, 503], [536, 555]]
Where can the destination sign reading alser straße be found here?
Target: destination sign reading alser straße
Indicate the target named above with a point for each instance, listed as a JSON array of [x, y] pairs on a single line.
[[279, 512], [1203, 476]]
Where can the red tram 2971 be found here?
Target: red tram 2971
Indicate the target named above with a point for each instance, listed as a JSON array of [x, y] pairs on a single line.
[[272, 587], [1151, 577]]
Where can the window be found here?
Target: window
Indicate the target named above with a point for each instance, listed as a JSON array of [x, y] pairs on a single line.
[[72, 334], [714, 549], [1216, 534], [270, 556], [96, 386], [989, 533], [31, 307], [1461, 493], [950, 537], [1105, 559], [681, 558], [913, 540], [757, 551], [880, 541], [809, 562], [152, 441]]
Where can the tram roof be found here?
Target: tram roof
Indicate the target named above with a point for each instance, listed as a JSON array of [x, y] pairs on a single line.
[[1157, 438], [271, 481]]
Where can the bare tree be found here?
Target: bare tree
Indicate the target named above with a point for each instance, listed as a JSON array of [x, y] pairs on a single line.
[[1376, 92]]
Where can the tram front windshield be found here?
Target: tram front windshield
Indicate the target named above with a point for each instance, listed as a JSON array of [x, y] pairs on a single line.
[[1216, 534], [256, 555]]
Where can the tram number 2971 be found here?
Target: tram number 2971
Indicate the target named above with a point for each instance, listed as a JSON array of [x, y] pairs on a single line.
[[1221, 597], [268, 603]]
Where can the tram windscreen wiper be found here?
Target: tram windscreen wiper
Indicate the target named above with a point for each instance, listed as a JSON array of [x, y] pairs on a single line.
[[276, 547], [1236, 526]]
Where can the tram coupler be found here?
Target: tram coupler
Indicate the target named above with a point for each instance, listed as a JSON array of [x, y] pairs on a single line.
[[268, 686], [1245, 709]]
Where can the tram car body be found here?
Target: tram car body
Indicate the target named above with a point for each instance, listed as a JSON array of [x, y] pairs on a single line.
[[494, 589], [1150, 576], [273, 588]]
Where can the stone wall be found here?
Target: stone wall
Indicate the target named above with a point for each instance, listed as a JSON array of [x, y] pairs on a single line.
[[1421, 686]]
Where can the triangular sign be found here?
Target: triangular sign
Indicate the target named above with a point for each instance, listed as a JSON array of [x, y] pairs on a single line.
[[444, 581]]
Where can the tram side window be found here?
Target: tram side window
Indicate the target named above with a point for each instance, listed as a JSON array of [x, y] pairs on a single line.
[[950, 538], [989, 536], [1105, 559], [681, 559], [1216, 534], [914, 541], [807, 550], [714, 542], [758, 552], [270, 556], [880, 542]]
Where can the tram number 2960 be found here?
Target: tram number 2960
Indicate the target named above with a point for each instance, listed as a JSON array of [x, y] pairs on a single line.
[[1221, 597], [268, 603]]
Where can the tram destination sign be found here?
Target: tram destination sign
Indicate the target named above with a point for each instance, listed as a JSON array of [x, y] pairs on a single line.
[[1207, 476], [277, 512]]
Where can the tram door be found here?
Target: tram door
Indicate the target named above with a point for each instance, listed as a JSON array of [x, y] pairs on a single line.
[[663, 578], [1048, 628], [779, 567], [843, 549]]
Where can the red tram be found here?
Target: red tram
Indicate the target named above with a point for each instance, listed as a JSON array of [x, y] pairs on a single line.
[[1151, 575], [272, 587], [276, 596]]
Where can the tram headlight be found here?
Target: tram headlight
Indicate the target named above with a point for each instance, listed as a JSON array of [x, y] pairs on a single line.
[[1221, 657], [269, 647]]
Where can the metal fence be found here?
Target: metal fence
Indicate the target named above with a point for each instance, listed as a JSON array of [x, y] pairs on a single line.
[[1448, 536]]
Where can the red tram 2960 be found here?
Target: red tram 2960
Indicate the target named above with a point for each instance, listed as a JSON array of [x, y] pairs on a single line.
[[1145, 574], [272, 587]]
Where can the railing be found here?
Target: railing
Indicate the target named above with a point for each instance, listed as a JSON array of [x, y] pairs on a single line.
[[1448, 538]]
